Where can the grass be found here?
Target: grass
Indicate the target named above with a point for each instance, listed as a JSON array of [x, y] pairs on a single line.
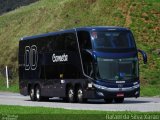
[[141, 16], [57, 113], [13, 85], [13, 88], [150, 91]]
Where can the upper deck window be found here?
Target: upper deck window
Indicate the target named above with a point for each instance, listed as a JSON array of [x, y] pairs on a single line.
[[113, 39]]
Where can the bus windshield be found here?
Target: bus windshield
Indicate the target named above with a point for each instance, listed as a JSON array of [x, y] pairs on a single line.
[[113, 39], [117, 69]]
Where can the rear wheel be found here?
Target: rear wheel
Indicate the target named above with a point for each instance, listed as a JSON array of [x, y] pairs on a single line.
[[108, 100], [70, 95], [80, 95], [32, 94], [118, 100], [38, 93]]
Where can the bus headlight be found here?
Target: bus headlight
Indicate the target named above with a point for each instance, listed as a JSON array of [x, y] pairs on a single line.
[[99, 86]]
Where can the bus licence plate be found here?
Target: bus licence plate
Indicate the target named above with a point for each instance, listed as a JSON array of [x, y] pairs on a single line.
[[120, 94]]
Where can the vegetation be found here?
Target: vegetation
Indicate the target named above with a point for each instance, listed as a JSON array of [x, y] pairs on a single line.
[[37, 113], [7, 5], [150, 90], [141, 16], [13, 85]]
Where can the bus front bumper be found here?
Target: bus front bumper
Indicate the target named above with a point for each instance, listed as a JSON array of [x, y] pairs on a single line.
[[105, 92]]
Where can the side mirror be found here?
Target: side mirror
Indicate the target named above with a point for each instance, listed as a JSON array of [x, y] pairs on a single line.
[[144, 56]]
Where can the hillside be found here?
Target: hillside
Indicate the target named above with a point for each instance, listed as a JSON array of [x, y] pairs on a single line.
[[141, 16]]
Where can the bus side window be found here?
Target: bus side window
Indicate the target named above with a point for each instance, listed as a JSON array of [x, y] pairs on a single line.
[[60, 43], [70, 42], [84, 40]]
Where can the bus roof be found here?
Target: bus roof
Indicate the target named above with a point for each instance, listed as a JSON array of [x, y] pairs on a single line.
[[97, 28]]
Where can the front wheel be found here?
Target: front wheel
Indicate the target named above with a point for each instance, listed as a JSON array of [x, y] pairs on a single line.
[[80, 95], [118, 100]]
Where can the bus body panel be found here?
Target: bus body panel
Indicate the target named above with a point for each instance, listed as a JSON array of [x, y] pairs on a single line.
[[57, 60]]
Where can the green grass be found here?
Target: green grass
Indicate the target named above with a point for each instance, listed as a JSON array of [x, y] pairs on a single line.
[[150, 90], [141, 16], [13, 85], [37, 113], [13, 88]]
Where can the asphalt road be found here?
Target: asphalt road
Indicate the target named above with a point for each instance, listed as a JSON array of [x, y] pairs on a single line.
[[143, 104]]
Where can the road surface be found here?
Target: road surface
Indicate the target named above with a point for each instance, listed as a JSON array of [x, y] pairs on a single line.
[[143, 104]]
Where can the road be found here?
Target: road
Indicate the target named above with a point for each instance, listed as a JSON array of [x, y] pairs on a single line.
[[142, 104]]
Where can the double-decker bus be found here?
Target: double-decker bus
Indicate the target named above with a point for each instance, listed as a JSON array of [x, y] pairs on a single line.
[[79, 64]]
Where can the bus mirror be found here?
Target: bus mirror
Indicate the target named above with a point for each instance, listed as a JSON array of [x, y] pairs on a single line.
[[144, 56]]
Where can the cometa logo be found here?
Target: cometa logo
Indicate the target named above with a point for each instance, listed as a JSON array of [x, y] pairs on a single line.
[[59, 58]]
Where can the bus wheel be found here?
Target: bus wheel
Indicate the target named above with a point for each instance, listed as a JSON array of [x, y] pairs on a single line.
[[70, 95], [38, 93], [118, 100], [32, 94], [108, 100], [80, 98]]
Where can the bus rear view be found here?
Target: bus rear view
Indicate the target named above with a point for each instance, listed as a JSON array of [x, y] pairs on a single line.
[[80, 64]]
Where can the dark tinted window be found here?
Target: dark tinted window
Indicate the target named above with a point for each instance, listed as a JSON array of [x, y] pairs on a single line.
[[84, 40], [113, 39], [42, 43], [70, 41], [61, 42], [65, 41]]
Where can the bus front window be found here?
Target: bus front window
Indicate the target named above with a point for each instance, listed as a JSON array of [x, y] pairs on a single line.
[[118, 69]]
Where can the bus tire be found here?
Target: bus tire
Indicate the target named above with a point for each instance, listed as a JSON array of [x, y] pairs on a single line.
[[70, 95], [79, 95], [118, 100], [108, 100], [38, 93], [32, 94]]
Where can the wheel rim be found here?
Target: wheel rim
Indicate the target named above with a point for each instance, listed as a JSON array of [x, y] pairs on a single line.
[[32, 93], [70, 95], [38, 94], [80, 94]]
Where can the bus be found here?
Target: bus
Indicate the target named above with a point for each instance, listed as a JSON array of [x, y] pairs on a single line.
[[82, 63]]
